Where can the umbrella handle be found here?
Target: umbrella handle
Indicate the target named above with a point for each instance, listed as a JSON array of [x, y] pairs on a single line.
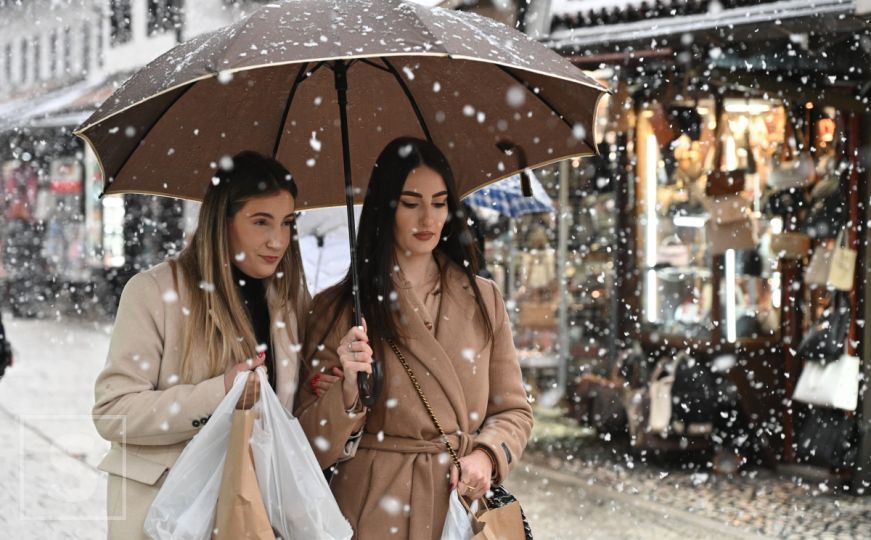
[[369, 396]]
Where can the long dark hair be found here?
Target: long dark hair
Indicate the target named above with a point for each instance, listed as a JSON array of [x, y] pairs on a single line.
[[376, 242]]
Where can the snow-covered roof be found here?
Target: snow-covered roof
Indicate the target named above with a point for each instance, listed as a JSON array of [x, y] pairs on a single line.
[[649, 28]]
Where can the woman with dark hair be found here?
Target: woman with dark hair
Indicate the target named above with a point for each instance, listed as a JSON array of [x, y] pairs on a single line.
[[435, 327], [230, 302]]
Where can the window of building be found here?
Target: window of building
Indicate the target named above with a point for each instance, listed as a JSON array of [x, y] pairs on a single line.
[[86, 48], [55, 53], [68, 51], [163, 15], [7, 58], [100, 44], [24, 61], [37, 58], [122, 27]]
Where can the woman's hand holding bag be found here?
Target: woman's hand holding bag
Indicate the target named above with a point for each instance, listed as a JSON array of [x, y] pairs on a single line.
[[296, 495], [184, 508]]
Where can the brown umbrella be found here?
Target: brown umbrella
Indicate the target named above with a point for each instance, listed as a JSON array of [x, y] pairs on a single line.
[[308, 81]]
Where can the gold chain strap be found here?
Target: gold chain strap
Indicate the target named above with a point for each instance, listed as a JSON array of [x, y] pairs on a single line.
[[426, 404]]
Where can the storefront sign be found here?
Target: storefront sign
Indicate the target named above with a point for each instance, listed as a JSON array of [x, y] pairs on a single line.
[[66, 176]]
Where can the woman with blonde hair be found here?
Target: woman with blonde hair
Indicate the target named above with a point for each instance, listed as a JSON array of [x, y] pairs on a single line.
[[441, 334], [232, 301]]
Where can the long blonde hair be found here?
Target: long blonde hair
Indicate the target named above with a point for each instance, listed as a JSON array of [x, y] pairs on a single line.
[[213, 307]]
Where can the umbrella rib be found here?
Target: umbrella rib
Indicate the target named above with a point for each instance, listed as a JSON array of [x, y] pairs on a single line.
[[299, 78], [541, 98], [410, 98]]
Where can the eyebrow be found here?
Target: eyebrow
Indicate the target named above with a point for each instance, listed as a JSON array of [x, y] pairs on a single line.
[[413, 194], [292, 215]]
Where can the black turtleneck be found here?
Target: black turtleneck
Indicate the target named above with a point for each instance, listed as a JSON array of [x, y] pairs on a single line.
[[253, 293]]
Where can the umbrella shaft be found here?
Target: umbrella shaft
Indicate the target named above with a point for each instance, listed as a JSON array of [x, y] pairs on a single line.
[[340, 69], [368, 395]]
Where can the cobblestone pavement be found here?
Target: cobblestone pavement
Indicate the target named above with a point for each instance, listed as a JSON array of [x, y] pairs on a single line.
[[755, 502], [562, 506]]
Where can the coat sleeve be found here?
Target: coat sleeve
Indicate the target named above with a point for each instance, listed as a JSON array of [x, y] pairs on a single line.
[[128, 408], [508, 421], [325, 421]]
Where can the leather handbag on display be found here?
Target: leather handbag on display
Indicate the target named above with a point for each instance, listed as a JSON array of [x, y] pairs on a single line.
[[785, 203], [790, 245], [835, 384], [827, 437], [817, 272], [501, 515], [694, 396], [722, 182], [826, 338], [748, 262], [794, 169], [661, 381], [685, 120], [842, 270], [727, 208], [736, 235], [828, 209]]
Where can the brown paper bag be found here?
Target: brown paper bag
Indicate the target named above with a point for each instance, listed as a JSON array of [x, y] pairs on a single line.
[[843, 268], [503, 523], [241, 512]]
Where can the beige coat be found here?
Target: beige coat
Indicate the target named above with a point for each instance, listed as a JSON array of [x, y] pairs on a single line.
[[397, 485], [142, 408]]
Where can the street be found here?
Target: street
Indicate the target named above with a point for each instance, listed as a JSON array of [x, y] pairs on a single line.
[[52, 489]]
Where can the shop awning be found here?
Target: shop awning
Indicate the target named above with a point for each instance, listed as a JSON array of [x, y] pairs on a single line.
[[780, 13], [65, 107]]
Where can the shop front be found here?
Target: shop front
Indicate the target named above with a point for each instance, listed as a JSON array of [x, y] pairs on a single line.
[[65, 248], [741, 228]]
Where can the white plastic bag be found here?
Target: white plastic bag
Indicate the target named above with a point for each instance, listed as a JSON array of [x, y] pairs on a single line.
[[297, 497], [184, 508], [458, 523]]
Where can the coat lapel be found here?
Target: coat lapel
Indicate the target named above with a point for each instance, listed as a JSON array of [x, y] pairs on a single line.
[[438, 352]]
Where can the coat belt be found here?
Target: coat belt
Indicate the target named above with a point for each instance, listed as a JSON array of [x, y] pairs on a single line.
[[463, 444]]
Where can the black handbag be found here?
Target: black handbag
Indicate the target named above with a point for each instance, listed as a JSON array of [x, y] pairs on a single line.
[[828, 212], [685, 120], [786, 202], [5, 351], [748, 263], [827, 438], [826, 339]]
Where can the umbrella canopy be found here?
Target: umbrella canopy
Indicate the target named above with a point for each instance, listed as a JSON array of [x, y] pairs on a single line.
[[266, 83], [507, 198]]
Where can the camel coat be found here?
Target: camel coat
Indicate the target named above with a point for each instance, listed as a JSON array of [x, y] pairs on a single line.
[[397, 484], [141, 406]]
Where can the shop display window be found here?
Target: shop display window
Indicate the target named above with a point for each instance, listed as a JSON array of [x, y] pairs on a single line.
[[695, 237]]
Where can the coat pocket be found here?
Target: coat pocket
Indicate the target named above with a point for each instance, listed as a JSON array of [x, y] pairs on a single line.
[[121, 462]]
